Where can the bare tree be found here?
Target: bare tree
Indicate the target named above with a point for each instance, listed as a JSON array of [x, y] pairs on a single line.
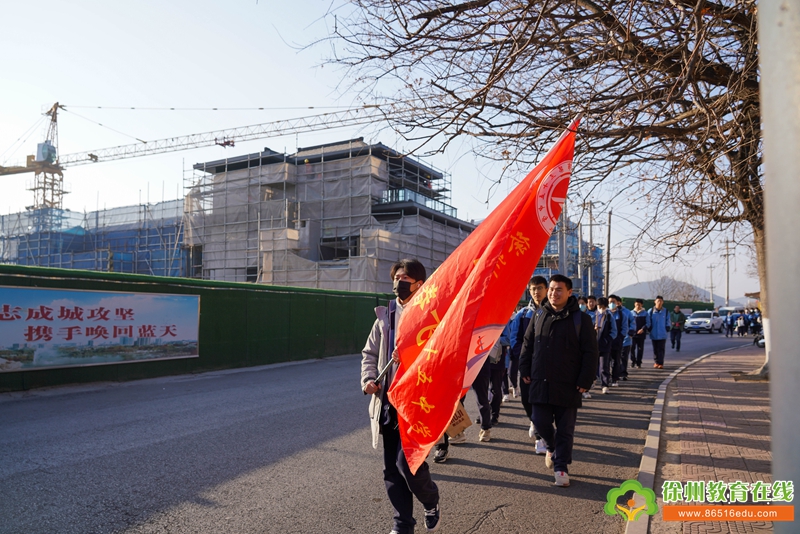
[[668, 89]]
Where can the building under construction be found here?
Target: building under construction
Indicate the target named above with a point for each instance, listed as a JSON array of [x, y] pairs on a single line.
[[567, 253], [142, 239], [332, 216]]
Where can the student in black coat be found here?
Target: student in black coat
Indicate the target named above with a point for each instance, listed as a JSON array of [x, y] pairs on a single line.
[[559, 360]]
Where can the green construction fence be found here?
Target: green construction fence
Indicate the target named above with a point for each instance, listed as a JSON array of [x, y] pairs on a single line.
[[241, 324], [669, 304]]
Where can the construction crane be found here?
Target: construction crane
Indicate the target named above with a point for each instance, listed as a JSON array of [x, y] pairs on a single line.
[[48, 166], [48, 183]]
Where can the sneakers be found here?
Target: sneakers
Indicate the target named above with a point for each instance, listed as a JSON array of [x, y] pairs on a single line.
[[441, 455], [541, 448], [485, 435], [505, 398], [459, 438], [587, 395], [614, 384], [655, 366], [495, 421], [604, 390], [659, 366], [531, 431], [562, 479], [513, 392], [548, 460], [432, 518]]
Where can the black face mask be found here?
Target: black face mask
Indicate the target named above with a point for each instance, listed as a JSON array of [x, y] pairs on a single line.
[[402, 289]]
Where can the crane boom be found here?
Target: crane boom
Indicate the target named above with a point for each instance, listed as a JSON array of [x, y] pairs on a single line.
[[227, 137]]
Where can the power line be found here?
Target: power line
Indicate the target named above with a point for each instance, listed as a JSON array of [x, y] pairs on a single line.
[[26, 135], [104, 126], [134, 108]]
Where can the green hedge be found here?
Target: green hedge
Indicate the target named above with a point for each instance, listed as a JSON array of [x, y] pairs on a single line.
[[241, 324]]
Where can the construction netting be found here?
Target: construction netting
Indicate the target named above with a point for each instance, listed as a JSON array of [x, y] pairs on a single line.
[[310, 221], [142, 239]]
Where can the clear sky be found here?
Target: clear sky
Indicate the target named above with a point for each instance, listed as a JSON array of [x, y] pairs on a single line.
[[206, 54]]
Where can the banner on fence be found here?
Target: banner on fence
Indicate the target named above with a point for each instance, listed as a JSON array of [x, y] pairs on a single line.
[[47, 328]]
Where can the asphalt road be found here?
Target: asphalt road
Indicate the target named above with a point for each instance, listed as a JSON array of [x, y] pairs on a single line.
[[286, 449]]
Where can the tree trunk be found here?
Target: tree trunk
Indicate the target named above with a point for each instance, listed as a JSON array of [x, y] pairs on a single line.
[[761, 258]]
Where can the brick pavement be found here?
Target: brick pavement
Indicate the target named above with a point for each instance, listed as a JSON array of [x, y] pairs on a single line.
[[724, 427]]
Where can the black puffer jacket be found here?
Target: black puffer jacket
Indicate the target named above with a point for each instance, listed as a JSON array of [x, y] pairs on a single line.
[[556, 359]]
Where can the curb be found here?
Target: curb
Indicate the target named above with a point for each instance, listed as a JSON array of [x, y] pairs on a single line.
[[647, 468]]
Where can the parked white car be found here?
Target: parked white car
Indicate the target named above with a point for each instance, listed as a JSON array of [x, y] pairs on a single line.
[[703, 321]]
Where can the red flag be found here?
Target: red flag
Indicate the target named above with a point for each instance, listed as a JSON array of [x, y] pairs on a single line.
[[447, 329]]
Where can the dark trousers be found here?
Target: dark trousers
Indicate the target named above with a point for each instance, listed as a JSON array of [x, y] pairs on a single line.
[[559, 440], [742, 331], [675, 337], [616, 363], [637, 350], [605, 369], [481, 388], [659, 348], [524, 396], [511, 375], [623, 362], [729, 330], [496, 374], [401, 485]]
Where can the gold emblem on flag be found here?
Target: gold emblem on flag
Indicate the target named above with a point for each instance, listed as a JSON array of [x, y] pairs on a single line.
[[428, 293], [423, 404], [421, 338]]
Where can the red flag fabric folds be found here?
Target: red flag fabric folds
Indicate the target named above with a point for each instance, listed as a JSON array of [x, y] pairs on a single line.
[[454, 319]]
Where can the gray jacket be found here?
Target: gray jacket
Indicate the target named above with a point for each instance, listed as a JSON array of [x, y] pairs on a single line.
[[373, 359]]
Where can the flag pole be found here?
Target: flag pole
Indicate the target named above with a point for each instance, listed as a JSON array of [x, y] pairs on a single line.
[[383, 373]]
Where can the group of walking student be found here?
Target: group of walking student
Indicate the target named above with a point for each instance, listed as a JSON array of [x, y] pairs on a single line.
[[550, 355]]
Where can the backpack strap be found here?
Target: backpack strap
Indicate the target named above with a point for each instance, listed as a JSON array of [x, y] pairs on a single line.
[[392, 312]]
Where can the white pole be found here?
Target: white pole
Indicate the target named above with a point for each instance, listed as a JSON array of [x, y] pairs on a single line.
[[779, 42]]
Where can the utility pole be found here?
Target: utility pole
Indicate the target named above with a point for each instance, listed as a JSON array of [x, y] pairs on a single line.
[[727, 257], [580, 257], [590, 262], [711, 282], [608, 256], [591, 252]]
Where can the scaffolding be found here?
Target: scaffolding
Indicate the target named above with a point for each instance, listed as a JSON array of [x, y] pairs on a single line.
[[334, 216], [141, 239], [567, 253]]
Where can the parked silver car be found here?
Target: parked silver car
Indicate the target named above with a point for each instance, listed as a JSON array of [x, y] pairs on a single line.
[[703, 321]]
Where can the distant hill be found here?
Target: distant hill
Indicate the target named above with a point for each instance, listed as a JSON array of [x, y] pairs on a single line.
[[651, 288]]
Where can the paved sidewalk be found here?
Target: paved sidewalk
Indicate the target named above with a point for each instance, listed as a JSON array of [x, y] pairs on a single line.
[[716, 428]]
